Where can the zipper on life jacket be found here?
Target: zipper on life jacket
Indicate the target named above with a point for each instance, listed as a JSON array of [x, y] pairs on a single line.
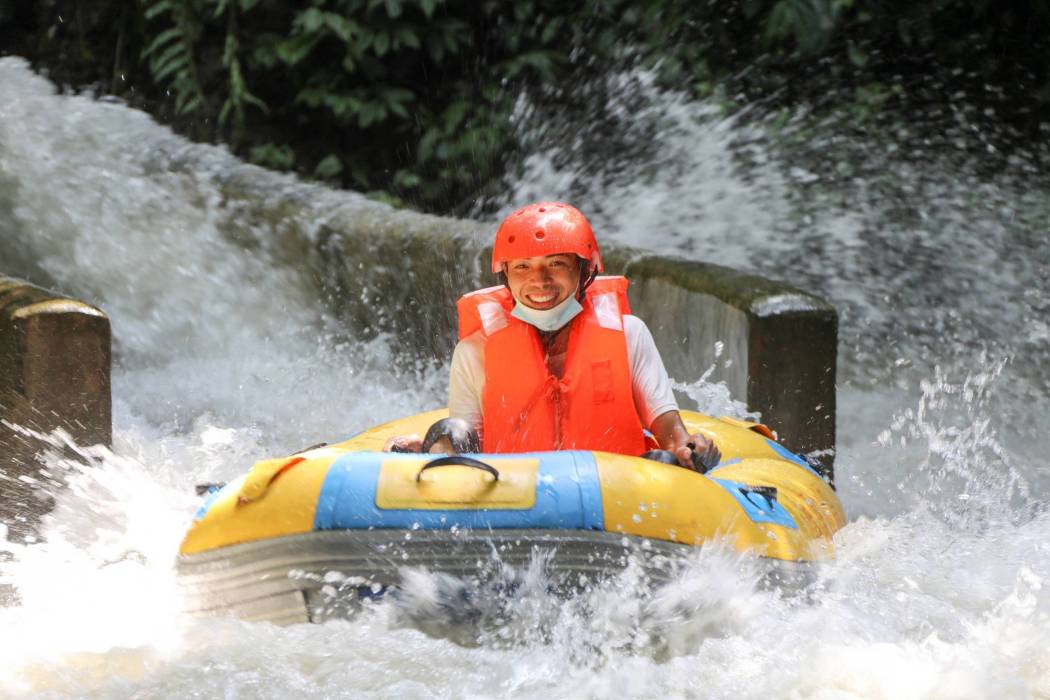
[[551, 383], [557, 414], [547, 343]]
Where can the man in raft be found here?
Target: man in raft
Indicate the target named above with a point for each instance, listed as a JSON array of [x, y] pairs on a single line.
[[553, 360]]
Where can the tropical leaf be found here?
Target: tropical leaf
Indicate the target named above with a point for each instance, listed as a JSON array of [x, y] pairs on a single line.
[[280, 156], [182, 60], [381, 43], [309, 20], [428, 7], [406, 36], [329, 167], [160, 62], [187, 102], [292, 51], [454, 114], [161, 39], [343, 27], [156, 8]]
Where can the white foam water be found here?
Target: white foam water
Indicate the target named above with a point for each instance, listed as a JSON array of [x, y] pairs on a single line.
[[223, 356]]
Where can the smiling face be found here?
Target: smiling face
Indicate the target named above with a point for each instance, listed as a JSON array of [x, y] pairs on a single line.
[[544, 281]]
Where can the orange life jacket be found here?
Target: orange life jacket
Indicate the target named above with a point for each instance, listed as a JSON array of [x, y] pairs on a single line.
[[525, 407]]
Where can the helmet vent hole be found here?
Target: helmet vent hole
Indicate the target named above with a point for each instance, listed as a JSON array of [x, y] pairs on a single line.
[[510, 239], [539, 235]]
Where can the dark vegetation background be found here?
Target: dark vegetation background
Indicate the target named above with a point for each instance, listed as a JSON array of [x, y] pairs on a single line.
[[412, 100]]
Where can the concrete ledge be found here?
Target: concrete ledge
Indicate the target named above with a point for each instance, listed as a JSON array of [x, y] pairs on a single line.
[[54, 373]]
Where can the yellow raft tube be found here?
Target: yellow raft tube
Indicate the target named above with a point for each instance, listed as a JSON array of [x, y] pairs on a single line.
[[303, 537]]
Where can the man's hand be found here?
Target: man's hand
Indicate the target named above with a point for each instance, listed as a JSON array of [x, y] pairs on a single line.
[[695, 451], [404, 443], [699, 454]]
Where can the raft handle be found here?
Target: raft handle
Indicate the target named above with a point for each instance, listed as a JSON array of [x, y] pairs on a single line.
[[769, 493], [458, 460]]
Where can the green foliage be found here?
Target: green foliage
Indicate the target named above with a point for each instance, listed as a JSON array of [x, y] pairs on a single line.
[[272, 155], [346, 83], [238, 96], [411, 100], [171, 51]]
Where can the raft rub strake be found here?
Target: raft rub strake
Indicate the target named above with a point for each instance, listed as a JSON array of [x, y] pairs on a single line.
[[265, 545]]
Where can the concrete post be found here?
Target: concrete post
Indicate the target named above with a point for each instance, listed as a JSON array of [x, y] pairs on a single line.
[[54, 373]]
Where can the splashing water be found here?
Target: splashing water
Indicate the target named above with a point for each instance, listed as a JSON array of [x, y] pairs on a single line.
[[715, 397], [225, 355], [935, 271]]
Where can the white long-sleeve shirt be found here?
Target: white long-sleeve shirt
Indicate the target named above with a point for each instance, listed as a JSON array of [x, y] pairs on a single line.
[[651, 386]]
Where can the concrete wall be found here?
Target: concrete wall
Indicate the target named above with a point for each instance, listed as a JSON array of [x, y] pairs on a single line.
[[54, 373]]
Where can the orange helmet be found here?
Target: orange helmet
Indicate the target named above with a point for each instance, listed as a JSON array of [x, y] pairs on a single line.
[[545, 228]]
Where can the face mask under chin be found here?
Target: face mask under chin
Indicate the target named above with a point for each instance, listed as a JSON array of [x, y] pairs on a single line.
[[548, 319]]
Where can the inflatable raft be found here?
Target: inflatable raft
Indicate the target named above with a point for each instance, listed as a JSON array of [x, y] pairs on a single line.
[[308, 536]]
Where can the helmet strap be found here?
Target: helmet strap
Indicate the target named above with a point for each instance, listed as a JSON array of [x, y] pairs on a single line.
[[587, 277]]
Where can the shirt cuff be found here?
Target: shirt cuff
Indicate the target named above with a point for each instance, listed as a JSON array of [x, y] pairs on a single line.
[[658, 411]]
